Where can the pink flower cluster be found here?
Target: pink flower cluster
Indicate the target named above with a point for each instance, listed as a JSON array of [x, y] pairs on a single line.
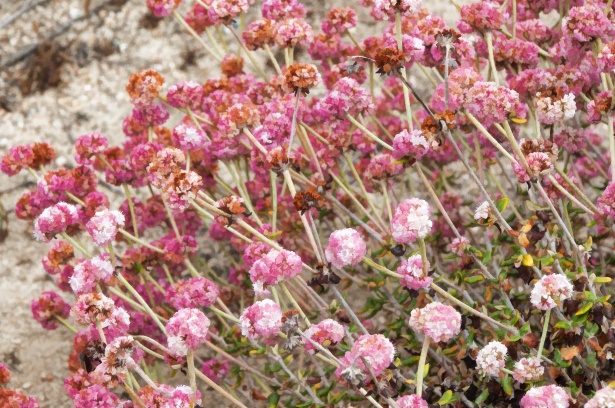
[[47, 307], [373, 349], [413, 275], [186, 330], [550, 396], [528, 369], [90, 272], [411, 221], [54, 220], [192, 293], [550, 290], [346, 248], [326, 332], [273, 268], [437, 321], [103, 226], [262, 319], [492, 358]]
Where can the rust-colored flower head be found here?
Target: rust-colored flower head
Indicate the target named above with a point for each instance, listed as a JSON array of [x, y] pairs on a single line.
[[43, 155], [279, 160], [389, 61], [144, 86], [233, 206], [300, 78], [258, 34], [231, 65], [303, 201]]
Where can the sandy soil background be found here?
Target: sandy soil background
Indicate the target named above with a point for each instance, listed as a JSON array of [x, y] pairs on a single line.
[[73, 83]]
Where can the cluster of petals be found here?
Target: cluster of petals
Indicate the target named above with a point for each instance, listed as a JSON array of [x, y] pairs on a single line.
[[162, 8], [192, 293], [413, 275], [187, 94], [484, 15], [46, 307], [551, 110], [326, 332], [347, 97], [606, 202], [274, 267], [89, 272], [227, 10], [189, 137], [550, 290], [92, 308], [550, 396], [604, 398], [460, 245], [373, 349], [262, 319], [411, 220], [412, 144], [346, 247], [586, 23], [54, 220], [57, 257], [386, 9], [186, 330], [88, 146], [492, 103], [103, 226], [281, 9], [528, 369], [437, 321], [411, 401], [492, 358]]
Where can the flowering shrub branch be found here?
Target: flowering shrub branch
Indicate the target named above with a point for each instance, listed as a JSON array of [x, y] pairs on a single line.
[[276, 243]]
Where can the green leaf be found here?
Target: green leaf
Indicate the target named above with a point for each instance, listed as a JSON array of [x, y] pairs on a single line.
[[603, 279], [590, 297], [482, 397], [446, 398], [273, 399], [474, 279], [507, 385], [564, 324], [584, 309], [502, 204]]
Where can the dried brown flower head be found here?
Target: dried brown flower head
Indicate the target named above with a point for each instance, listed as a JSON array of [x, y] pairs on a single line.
[[144, 86], [389, 61], [231, 65], [303, 201], [279, 160], [43, 154], [299, 78], [233, 206], [258, 34]]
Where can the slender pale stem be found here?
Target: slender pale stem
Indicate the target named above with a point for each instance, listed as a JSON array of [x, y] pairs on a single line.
[[545, 329], [610, 120], [191, 376], [494, 71], [142, 301], [293, 125], [249, 54], [471, 310], [196, 36], [368, 133], [348, 309], [400, 47], [420, 372], [273, 60], [219, 389], [131, 207], [65, 323]]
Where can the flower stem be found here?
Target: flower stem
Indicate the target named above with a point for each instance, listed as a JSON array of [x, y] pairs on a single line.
[[545, 328], [142, 301], [196, 36], [219, 389], [400, 47], [494, 71], [420, 372], [368, 133], [65, 323], [192, 376]]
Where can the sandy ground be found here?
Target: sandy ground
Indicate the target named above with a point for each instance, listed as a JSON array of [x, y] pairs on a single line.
[[99, 51]]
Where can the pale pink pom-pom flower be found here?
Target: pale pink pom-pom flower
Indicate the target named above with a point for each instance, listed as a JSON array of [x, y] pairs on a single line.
[[103, 226], [437, 321], [375, 349], [528, 369], [186, 330], [54, 220], [346, 247], [411, 221], [273, 268], [492, 358], [605, 398], [324, 333], [410, 144], [411, 401], [549, 396], [262, 319], [412, 272], [550, 290]]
